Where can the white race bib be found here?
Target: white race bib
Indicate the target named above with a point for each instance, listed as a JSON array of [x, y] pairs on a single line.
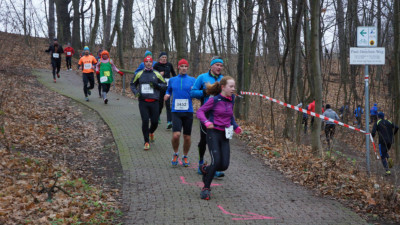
[[56, 55], [181, 104], [87, 66], [167, 80], [229, 132], [147, 89], [103, 79], [69, 53]]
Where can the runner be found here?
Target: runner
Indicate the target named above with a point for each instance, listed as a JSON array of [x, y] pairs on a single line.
[[182, 110], [358, 115], [166, 69], [374, 113], [330, 126], [146, 85], [88, 62], [69, 52], [220, 123], [104, 69], [199, 92], [141, 65], [55, 51], [386, 130], [98, 57]]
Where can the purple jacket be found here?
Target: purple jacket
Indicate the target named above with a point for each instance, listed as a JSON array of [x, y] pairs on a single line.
[[219, 111]]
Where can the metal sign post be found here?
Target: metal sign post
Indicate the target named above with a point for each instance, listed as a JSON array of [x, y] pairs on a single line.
[[366, 79]]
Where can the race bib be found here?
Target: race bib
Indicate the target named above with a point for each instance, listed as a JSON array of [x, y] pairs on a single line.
[[229, 132], [147, 89], [87, 66], [56, 55], [103, 79], [181, 104], [167, 80], [107, 73], [69, 53]]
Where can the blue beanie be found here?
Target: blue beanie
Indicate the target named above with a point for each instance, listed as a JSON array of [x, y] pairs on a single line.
[[216, 61], [381, 115], [147, 53], [375, 104], [86, 48]]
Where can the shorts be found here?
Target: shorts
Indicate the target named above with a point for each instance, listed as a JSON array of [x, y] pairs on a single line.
[[182, 119]]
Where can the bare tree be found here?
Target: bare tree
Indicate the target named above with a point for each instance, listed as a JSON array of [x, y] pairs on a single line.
[[76, 36], [107, 28], [127, 26], [195, 41], [93, 33], [52, 21], [396, 74], [178, 18], [158, 27]]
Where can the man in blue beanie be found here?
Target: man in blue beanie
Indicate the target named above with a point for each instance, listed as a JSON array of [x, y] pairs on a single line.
[[141, 65], [374, 114], [386, 130]]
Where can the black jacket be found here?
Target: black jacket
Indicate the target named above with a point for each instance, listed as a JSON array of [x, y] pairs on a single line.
[[167, 68], [148, 84], [386, 131], [51, 50]]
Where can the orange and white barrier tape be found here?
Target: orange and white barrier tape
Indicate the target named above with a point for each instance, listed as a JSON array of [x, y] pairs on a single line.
[[312, 114]]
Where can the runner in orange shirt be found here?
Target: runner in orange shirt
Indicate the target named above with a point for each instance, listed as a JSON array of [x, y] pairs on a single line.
[[88, 62]]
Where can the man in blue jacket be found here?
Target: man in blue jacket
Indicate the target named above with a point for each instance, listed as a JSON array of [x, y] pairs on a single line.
[[358, 113], [199, 91], [374, 114]]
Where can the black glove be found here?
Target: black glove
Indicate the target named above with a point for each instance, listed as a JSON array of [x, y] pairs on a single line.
[[155, 85]]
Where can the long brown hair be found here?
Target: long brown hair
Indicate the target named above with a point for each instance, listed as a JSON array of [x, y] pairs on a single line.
[[216, 88]]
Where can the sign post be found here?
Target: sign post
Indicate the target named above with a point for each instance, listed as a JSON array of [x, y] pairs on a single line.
[[367, 37]]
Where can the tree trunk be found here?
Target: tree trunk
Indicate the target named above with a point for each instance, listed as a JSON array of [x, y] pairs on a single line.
[[195, 42], [93, 33], [107, 29], [343, 48], [316, 73], [63, 21], [272, 17], [76, 36], [158, 28], [127, 26], [179, 29], [52, 25], [212, 29], [396, 75], [167, 19]]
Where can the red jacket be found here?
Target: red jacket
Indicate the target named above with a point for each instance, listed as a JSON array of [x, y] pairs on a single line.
[[69, 51], [311, 107]]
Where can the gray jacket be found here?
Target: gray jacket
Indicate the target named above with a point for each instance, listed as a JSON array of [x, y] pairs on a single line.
[[330, 114]]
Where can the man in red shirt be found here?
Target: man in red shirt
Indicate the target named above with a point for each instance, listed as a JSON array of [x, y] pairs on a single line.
[[69, 52], [311, 107]]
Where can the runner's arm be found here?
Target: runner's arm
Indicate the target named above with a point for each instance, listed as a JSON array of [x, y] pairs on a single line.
[[201, 112], [197, 91], [141, 67], [134, 83], [113, 65], [374, 129]]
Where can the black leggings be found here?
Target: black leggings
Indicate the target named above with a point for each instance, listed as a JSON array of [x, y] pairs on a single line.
[[87, 78], [148, 110], [167, 106], [68, 60], [220, 154], [56, 64], [202, 146], [329, 132], [106, 87], [99, 85]]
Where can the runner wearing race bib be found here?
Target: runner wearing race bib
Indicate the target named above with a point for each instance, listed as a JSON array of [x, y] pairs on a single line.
[[69, 52], [167, 70], [55, 51], [147, 85], [87, 61], [217, 115], [182, 111], [104, 69]]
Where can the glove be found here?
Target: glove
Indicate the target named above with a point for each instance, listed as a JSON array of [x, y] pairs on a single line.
[[155, 84], [120, 73], [98, 72], [238, 130]]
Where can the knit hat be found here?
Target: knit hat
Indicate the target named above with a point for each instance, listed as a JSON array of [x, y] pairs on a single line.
[[375, 104], [148, 53], [183, 61], [328, 106], [105, 52], [86, 48], [217, 60], [381, 115], [162, 54], [148, 58]]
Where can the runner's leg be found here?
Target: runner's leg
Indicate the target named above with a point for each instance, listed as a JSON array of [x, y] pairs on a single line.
[[85, 83], [145, 115], [154, 114]]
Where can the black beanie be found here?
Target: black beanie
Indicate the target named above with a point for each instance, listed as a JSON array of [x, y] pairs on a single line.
[[163, 53]]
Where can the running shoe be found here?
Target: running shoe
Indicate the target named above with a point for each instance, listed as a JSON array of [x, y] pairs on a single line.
[[58, 75], [388, 172], [86, 99], [146, 146], [200, 165], [89, 92], [169, 125], [390, 162], [55, 81], [219, 174], [174, 161], [105, 101], [205, 193], [151, 137], [185, 161]]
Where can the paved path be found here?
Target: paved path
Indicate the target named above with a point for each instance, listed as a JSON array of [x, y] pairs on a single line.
[[157, 193]]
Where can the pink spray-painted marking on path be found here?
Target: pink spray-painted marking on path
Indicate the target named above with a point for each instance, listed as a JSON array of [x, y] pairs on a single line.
[[248, 216], [190, 167], [198, 184]]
